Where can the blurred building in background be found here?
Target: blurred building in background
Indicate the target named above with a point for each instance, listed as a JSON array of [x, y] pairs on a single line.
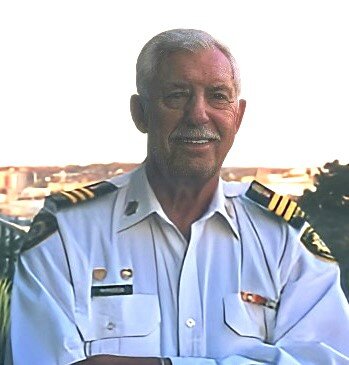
[[23, 189]]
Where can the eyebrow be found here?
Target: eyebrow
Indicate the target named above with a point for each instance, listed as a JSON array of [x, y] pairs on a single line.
[[177, 84], [222, 88]]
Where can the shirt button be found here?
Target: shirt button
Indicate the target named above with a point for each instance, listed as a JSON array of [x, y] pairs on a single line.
[[190, 322], [110, 326]]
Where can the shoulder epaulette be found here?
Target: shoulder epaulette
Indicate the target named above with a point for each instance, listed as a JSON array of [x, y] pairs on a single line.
[[289, 210], [65, 199], [282, 206], [44, 224]]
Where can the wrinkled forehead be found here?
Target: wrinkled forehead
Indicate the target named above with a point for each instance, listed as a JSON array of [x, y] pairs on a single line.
[[202, 64]]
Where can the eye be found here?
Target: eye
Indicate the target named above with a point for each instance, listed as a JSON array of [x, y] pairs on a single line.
[[176, 95], [220, 96], [176, 99], [220, 99]]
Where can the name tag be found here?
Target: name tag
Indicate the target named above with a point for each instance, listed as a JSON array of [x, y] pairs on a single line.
[[108, 290]]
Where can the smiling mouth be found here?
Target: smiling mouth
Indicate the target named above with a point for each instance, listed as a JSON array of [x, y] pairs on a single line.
[[195, 141]]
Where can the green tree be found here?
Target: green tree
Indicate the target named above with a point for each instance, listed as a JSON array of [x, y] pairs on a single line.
[[327, 209], [4, 314]]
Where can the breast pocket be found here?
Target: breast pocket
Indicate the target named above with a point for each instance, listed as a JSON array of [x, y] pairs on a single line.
[[125, 325], [247, 319]]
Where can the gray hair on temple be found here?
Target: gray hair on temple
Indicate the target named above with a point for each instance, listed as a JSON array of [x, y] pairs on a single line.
[[163, 44]]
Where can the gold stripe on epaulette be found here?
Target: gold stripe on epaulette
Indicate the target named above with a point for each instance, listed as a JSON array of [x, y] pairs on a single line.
[[71, 197], [282, 205], [88, 192], [273, 202], [290, 210], [78, 194]]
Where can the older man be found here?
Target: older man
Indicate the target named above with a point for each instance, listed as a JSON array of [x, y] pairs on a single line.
[[169, 264]]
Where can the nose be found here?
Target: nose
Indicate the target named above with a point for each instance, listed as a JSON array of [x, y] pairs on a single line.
[[196, 111]]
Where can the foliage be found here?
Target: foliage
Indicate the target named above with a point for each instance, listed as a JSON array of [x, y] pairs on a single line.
[[12, 232], [4, 314], [328, 210]]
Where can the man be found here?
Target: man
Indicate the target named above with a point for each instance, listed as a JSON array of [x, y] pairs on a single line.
[[169, 264]]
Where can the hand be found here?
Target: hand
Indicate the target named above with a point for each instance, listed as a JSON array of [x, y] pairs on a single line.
[[123, 360]]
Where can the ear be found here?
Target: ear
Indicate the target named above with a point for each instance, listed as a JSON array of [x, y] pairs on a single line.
[[138, 113], [241, 112]]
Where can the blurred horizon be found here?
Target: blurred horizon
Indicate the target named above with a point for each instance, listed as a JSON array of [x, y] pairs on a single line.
[[125, 162]]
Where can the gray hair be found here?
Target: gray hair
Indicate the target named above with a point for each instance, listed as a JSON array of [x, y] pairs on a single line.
[[163, 44]]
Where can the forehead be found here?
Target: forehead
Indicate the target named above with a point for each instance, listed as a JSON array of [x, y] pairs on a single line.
[[208, 66]]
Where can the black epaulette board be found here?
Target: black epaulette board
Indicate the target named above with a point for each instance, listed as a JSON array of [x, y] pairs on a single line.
[[289, 210], [45, 222]]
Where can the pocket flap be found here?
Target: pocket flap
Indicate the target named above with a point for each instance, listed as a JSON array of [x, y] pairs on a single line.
[[124, 315], [246, 319]]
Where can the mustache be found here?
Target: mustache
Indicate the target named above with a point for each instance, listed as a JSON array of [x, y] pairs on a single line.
[[194, 132]]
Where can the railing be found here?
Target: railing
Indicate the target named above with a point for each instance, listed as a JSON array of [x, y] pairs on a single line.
[[12, 231]]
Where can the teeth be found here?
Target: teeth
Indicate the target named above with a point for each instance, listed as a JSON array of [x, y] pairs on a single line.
[[196, 141]]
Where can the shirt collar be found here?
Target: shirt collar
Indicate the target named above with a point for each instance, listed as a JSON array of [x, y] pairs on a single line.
[[222, 204], [140, 201]]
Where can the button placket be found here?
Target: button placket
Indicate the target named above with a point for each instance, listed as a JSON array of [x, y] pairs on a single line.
[[189, 303], [190, 323], [111, 326]]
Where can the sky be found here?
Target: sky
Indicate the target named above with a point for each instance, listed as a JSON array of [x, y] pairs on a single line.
[[67, 70]]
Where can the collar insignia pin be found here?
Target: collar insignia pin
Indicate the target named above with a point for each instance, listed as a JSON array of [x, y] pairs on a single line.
[[126, 274], [131, 207], [99, 273]]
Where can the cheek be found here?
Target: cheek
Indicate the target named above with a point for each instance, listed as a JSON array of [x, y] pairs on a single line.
[[226, 124], [166, 121]]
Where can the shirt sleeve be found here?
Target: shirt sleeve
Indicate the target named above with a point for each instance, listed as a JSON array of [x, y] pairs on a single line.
[[312, 322], [43, 329]]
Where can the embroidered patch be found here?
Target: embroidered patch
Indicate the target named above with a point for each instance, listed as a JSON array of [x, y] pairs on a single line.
[[287, 209], [44, 224], [315, 244]]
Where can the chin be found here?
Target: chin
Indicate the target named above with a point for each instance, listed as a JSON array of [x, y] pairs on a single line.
[[185, 169]]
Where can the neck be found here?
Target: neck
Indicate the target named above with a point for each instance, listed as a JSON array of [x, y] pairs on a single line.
[[183, 199]]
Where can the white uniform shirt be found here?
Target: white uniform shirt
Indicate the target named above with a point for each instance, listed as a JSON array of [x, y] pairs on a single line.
[[186, 300]]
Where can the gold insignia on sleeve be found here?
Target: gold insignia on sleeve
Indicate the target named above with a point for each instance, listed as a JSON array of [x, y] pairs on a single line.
[[287, 209], [44, 224], [313, 242]]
